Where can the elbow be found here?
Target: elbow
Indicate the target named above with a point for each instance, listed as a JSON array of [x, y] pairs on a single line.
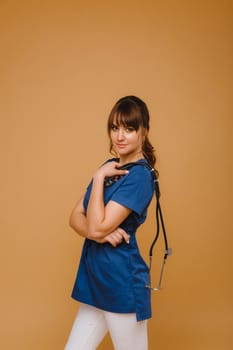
[[71, 221], [94, 234]]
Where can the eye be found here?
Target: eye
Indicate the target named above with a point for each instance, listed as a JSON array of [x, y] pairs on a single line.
[[129, 129], [114, 128]]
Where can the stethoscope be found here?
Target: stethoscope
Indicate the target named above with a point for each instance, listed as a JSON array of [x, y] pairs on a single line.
[[159, 219]]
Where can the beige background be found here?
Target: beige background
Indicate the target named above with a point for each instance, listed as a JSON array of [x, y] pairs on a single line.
[[63, 66]]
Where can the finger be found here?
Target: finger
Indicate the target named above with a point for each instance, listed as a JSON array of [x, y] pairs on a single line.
[[125, 235], [117, 237], [111, 241], [124, 171], [111, 170]]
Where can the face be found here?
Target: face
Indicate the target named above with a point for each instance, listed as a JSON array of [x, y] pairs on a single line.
[[126, 141]]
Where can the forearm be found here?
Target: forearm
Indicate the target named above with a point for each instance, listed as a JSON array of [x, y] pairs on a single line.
[[78, 222], [101, 219], [79, 225], [96, 209]]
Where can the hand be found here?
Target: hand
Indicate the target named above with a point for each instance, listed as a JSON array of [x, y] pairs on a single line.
[[111, 169], [115, 238]]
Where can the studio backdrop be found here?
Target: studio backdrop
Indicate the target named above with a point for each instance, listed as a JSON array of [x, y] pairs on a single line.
[[63, 66]]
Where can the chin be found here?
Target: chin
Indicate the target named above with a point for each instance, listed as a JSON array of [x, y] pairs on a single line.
[[123, 153]]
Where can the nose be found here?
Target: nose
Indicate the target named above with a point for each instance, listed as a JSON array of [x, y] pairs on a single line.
[[120, 134]]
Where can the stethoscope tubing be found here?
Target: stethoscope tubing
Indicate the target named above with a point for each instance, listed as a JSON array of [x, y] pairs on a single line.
[[159, 219]]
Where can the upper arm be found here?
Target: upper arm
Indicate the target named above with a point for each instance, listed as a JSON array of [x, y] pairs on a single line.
[[133, 195], [115, 214], [137, 190]]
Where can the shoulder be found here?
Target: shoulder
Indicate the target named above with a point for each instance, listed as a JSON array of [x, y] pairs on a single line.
[[140, 170], [139, 179], [135, 189]]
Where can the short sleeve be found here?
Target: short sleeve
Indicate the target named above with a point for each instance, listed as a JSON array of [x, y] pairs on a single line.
[[136, 190]]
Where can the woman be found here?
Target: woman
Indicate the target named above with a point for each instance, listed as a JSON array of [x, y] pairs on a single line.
[[112, 276]]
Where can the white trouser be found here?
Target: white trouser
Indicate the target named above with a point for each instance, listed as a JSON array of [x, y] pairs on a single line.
[[92, 324]]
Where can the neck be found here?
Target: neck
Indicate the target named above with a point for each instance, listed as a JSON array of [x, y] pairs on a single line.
[[131, 157]]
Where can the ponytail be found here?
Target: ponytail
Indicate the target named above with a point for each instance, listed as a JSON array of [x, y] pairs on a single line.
[[149, 154]]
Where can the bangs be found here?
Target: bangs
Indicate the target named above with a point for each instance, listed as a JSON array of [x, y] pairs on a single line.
[[128, 117], [127, 120]]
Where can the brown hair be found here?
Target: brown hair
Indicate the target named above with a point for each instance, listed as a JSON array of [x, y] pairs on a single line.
[[131, 111]]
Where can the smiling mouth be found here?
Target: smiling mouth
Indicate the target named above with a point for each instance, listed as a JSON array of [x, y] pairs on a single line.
[[121, 145]]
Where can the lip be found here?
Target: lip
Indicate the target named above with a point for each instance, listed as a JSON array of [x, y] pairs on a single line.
[[121, 145]]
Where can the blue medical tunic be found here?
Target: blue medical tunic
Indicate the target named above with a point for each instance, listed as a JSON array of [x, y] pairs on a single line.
[[114, 278]]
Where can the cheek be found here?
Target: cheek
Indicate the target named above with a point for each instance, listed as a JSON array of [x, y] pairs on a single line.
[[111, 136], [136, 139]]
